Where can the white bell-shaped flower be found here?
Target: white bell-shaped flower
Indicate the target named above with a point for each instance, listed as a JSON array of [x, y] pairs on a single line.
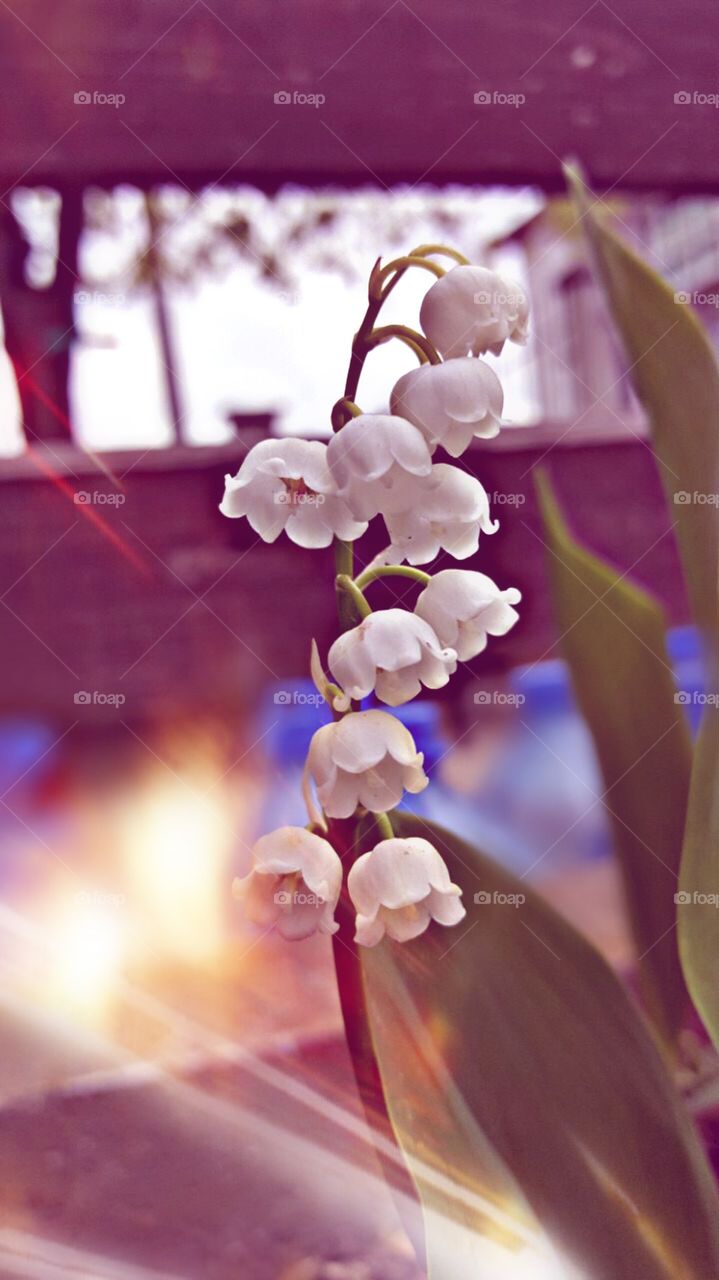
[[472, 310], [376, 461], [294, 884], [464, 608], [286, 484], [392, 652], [368, 758], [451, 402], [447, 515], [398, 888]]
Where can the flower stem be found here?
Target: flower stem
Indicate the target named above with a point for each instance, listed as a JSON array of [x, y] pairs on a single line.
[[344, 568], [391, 571], [343, 835], [342, 411], [377, 296], [416, 342], [409, 260], [355, 1017], [385, 825], [346, 583], [423, 250], [355, 1014]]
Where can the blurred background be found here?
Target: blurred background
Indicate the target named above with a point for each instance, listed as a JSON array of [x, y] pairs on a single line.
[[192, 197]]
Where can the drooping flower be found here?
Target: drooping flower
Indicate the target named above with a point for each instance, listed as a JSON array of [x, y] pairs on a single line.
[[392, 652], [448, 515], [472, 310], [398, 888], [294, 884], [368, 758], [451, 402], [464, 608], [376, 461], [286, 484]]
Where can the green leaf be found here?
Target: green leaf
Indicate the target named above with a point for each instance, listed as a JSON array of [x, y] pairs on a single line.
[[517, 1072], [612, 634], [699, 882], [674, 371]]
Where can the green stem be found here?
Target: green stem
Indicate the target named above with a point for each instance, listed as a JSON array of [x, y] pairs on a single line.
[[344, 568], [417, 343], [383, 822], [391, 571], [346, 583], [409, 260], [342, 411], [424, 249]]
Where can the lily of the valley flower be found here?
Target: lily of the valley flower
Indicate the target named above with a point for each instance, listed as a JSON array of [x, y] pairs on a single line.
[[286, 484], [368, 758], [398, 888], [472, 310], [451, 402], [393, 653], [376, 461], [294, 883], [464, 608], [448, 515]]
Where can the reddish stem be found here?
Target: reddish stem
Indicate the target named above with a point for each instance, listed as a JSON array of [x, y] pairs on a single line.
[[355, 1017]]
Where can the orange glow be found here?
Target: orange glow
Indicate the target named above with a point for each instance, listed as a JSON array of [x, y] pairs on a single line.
[[175, 844], [87, 938]]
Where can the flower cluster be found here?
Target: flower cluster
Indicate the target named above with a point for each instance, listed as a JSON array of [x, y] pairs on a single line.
[[383, 465]]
